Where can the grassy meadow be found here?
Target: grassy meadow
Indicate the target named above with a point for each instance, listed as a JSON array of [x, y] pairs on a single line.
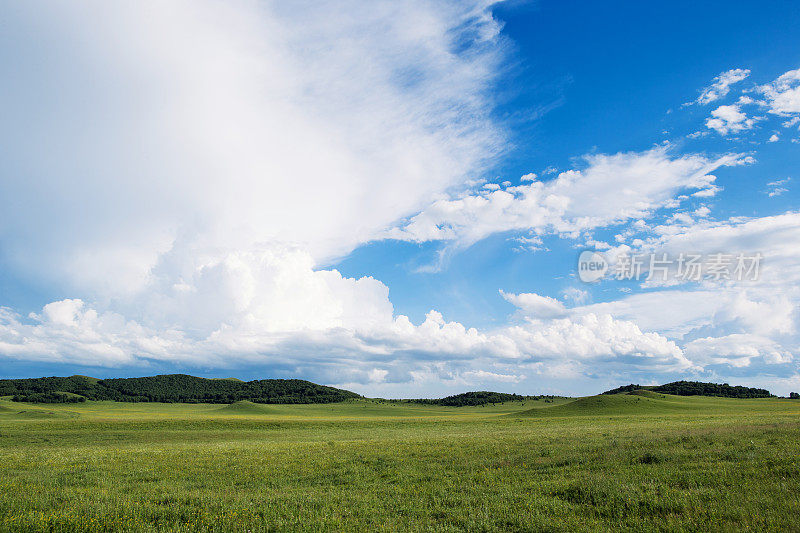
[[641, 461]]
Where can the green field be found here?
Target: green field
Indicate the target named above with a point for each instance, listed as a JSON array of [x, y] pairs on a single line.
[[641, 461]]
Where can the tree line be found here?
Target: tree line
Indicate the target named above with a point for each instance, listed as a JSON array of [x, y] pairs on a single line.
[[170, 388], [697, 388], [477, 398]]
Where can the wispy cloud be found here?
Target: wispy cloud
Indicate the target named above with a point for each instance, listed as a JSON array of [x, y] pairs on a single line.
[[610, 190], [721, 86], [778, 187]]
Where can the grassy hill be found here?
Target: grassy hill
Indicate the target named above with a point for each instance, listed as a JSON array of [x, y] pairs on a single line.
[[625, 462], [640, 402], [648, 402], [244, 407]]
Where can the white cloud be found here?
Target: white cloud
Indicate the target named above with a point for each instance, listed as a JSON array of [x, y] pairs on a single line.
[[777, 187], [377, 375], [269, 307], [535, 305], [673, 313], [612, 189], [575, 295], [679, 313], [729, 119], [68, 332], [391, 351], [482, 376], [773, 138], [777, 238], [721, 85], [592, 338], [218, 126], [791, 122], [737, 350], [552, 333], [702, 211], [783, 94], [201, 160], [725, 327], [712, 328], [749, 323]]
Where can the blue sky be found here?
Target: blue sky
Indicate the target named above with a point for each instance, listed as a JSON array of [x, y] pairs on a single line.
[[392, 198], [613, 81]]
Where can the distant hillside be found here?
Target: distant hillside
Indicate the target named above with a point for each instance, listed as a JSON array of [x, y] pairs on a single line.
[[697, 388], [477, 398], [637, 402], [170, 388]]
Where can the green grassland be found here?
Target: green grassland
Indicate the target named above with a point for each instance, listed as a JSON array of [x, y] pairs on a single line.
[[641, 461]]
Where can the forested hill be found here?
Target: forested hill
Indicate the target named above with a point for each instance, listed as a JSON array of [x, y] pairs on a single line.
[[170, 388], [697, 388], [478, 398]]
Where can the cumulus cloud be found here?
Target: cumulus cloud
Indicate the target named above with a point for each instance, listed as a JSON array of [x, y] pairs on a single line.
[[270, 307], [721, 85], [591, 339], [783, 94], [721, 327], [737, 350], [273, 309], [66, 331], [395, 350], [729, 119], [780, 97], [740, 323], [708, 329]]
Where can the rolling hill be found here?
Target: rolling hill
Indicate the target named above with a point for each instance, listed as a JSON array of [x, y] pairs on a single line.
[[618, 404], [244, 407], [651, 403]]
